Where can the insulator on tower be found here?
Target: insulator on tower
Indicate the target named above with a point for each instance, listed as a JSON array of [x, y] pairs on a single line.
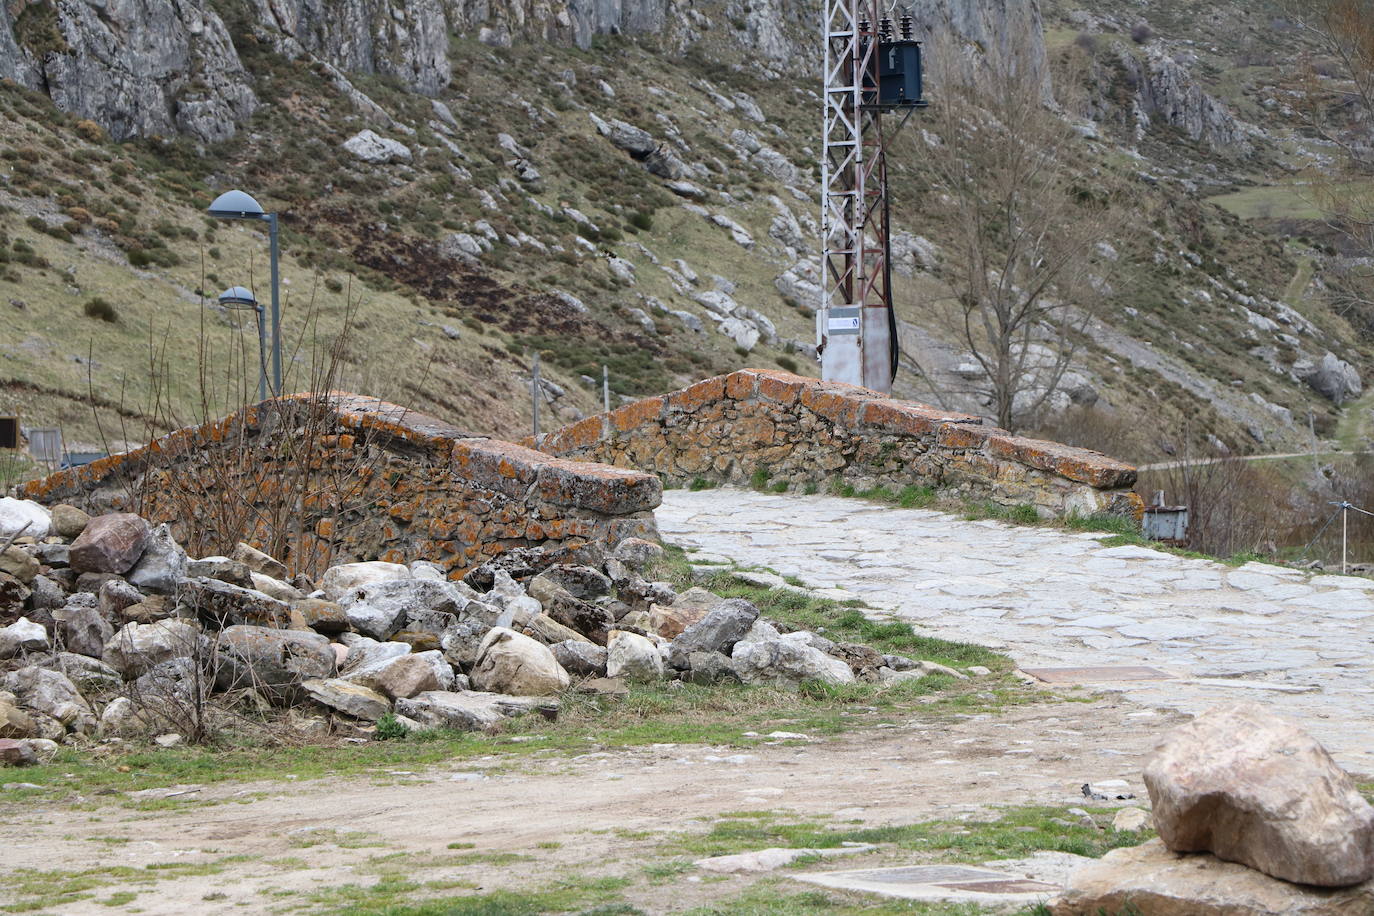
[[906, 26], [864, 26], [885, 29]]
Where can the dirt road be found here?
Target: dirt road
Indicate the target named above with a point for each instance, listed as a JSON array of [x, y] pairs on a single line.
[[603, 814]]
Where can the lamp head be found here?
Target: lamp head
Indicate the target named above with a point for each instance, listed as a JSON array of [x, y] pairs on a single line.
[[238, 297], [236, 205]]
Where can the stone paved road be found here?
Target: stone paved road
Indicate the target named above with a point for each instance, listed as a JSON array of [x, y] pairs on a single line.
[[1303, 643]]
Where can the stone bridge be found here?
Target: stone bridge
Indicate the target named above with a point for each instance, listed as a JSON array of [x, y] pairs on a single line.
[[334, 478], [801, 431], [321, 479]]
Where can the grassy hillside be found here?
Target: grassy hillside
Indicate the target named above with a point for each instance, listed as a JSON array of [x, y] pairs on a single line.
[[109, 256]]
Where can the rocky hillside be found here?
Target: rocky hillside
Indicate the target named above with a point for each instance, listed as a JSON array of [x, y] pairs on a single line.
[[632, 185]]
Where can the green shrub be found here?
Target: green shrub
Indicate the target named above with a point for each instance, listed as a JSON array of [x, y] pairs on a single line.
[[100, 308], [390, 728], [788, 363], [138, 257]]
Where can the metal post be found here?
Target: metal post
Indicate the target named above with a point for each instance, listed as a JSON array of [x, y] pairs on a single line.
[[1345, 530], [606, 388], [534, 393], [276, 307], [262, 354]]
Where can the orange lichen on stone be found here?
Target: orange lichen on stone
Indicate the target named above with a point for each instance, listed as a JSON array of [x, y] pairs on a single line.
[[693, 397], [630, 416], [781, 387], [1078, 464]]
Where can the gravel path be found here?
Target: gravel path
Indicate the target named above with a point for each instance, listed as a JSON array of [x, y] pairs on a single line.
[[1300, 642]]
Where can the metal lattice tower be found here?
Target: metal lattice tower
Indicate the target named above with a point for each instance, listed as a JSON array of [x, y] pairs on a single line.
[[856, 328]]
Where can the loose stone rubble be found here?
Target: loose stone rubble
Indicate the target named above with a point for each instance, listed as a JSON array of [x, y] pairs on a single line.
[[109, 631]]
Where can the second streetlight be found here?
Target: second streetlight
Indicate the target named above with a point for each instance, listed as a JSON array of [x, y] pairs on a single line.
[[238, 205]]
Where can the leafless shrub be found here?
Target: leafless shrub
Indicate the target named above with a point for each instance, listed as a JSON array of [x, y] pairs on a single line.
[[269, 463], [1234, 506]]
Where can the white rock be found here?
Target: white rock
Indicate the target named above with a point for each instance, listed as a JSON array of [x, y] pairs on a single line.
[[22, 636], [512, 663], [340, 580], [368, 146], [633, 657], [15, 514]]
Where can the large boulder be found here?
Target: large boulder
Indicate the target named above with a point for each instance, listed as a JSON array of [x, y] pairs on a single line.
[[580, 658], [367, 658], [319, 615], [83, 629], [110, 544], [415, 673], [1150, 880], [162, 565], [23, 518], [788, 660], [583, 617], [19, 563], [136, 647], [509, 662], [340, 580], [1332, 377], [1250, 787], [670, 620], [52, 694], [373, 148], [637, 553], [470, 710], [348, 698], [722, 627], [579, 581], [94, 679], [632, 657], [14, 722], [15, 753], [21, 637], [220, 604], [69, 521], [273, 662], [382, 609], [259, 562]]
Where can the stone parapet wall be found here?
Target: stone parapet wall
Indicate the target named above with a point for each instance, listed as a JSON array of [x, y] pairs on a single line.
[[805, 431], [338, 478]]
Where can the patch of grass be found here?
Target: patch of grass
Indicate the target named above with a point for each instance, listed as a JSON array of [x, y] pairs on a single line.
[[775, 897], [1014, 833], [389, 897], [120, 898], [759, 479], [701, 483]]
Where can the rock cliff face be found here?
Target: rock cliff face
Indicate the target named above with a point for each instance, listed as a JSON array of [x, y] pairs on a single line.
[[144, 67], [1167, 93], [139, 67]]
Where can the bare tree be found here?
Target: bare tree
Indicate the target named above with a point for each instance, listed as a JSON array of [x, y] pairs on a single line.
[[1024, 220], [1337, 93]]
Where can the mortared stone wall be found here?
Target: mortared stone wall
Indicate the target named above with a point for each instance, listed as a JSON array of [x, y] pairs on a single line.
[[806, 431], [340, 478]]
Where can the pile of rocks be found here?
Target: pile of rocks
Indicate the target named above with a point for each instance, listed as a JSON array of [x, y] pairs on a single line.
[[108, 629], [1254, 818]]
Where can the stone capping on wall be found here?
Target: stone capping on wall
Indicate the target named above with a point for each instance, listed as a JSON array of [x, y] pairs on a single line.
[[860, 413], [514, 470]]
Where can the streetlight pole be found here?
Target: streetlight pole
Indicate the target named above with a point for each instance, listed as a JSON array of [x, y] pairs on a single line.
[[276, 305], [238, 205], [237, 297]]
